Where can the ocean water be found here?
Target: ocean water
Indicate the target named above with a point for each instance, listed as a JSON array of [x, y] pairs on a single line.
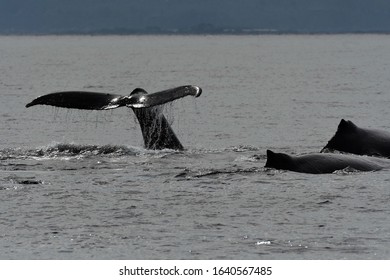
[[79, 184]]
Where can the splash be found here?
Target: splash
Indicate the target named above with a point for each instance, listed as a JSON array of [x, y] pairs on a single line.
[[61, 150], [73, 150]]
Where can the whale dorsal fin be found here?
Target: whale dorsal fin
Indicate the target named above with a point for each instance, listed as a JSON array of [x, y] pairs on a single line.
[[341, 141], [270, 159], [270, 154], [278, 160], [346, 126]]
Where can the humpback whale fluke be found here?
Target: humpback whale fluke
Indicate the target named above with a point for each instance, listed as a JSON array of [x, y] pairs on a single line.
[[156, 131], [139, 98]]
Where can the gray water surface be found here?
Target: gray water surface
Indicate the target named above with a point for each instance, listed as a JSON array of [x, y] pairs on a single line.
[[79, 185]]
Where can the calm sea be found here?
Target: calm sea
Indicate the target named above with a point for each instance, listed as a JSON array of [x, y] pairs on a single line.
[[79, 185]]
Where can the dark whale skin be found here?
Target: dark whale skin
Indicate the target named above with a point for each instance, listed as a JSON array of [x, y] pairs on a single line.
[[322, 163], [349, 138]]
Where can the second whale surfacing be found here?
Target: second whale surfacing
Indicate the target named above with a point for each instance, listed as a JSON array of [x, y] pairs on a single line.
[[361, 150], [156, 130], [350, 138], [321, 163]]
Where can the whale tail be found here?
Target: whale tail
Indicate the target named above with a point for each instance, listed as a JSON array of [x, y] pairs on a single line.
[[156, 131], [86, 100]]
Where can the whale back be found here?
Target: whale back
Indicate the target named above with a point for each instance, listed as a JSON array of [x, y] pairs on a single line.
[[321, 163], [156, 130], [352, 139]]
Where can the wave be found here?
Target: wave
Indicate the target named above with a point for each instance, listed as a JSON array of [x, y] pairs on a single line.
[[60, 150], [188, 174], [74, 150]]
